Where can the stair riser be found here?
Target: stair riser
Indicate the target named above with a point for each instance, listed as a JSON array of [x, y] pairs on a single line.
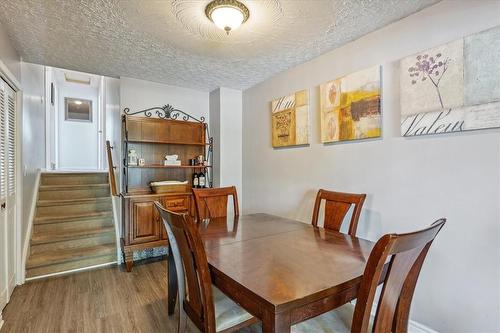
[[56, 268], [74, 179], [72, 225], [106, 238], [60, 257], [73, 209], [74, 194]]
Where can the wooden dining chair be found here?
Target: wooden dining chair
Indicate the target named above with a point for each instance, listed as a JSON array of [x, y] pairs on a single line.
[[207, 307], [405, 255], [336, 207], [212, 202]]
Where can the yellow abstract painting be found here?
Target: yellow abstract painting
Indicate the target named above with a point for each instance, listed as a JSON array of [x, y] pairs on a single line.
[[290, 119], [350, 107]]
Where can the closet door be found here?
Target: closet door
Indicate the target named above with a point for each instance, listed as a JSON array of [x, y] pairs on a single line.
[[7, 191]]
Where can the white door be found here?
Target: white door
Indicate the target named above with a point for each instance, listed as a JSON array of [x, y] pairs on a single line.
[[78, 139], [7, 191]]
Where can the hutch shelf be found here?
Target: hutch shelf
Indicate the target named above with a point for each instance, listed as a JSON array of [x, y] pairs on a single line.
[[171, 132]]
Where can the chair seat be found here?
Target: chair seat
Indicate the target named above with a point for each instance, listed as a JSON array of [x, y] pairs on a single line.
[[336, 321], [227, 312]]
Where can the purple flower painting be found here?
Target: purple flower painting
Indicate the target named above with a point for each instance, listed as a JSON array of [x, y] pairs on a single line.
[[430, 68], [453, 87]]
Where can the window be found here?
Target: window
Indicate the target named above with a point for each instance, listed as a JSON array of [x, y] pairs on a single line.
[[78, 109]]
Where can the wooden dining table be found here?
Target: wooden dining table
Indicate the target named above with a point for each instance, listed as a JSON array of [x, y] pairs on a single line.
[[280, 270]]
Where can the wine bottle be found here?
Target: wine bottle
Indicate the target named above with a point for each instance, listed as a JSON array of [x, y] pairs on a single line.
[[195, 180], [201, 179]]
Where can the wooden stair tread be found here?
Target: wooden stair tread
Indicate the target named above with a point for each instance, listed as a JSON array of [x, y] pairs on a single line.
[[74, 173], [72, 187], [57, 202], [71, 265], [63, 235], [73, 217], [62, 256]]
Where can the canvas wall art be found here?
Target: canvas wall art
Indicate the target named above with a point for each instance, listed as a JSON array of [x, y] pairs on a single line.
[[350, 107], [290, 119], [452, 88]]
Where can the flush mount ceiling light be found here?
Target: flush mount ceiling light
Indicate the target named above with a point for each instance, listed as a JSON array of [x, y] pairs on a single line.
[[227, 14]]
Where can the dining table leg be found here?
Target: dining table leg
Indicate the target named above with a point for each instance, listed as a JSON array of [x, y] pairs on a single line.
[[172, 282], [276, 323]]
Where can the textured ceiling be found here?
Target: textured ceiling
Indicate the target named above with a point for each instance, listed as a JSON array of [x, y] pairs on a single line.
[[173, 42]]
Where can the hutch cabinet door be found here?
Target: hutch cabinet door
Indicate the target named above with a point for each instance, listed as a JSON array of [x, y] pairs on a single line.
[[145, 222]]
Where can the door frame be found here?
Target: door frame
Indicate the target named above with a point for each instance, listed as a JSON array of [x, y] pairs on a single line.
[[100, 119], [12, 81]]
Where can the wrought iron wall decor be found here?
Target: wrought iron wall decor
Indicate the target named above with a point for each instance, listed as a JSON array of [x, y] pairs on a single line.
[[165, 112]]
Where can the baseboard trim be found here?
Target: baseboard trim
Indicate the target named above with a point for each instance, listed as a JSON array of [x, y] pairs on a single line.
[[11, 285], [27, 237], [83, 269], [416, 327], [3, 298]]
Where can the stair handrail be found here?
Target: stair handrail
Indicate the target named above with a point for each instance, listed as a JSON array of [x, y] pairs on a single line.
[[111, 170]]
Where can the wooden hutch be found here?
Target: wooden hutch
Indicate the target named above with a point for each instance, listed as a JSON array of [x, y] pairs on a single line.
[[171, 132]]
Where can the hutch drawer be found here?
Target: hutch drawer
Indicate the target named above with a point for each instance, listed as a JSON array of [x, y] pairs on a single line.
[[176, 203]]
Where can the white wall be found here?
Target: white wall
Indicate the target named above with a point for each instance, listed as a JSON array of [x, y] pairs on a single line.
[[113, 135], [50, 118], [226, 129], [215, 127], [33, 142], [113, 121], [410, 182], [139, 94], [112, 110], [79, 134]]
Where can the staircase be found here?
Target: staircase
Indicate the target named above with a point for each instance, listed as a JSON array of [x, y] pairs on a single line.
[[73, 226]]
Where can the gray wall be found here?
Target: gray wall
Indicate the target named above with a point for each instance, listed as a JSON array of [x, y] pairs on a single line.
[[409, 182]]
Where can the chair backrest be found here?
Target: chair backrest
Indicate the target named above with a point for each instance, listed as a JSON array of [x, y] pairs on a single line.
[[406, 253], [212, 202], [199, 303], [336, 207]]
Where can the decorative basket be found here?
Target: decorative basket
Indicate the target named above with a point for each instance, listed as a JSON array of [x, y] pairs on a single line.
[[169, 187]]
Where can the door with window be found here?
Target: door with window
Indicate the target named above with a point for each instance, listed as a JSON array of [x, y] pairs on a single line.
[[79, 120], [7, 191]]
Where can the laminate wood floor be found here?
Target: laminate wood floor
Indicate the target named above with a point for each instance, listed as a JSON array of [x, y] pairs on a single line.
[[102, 300]]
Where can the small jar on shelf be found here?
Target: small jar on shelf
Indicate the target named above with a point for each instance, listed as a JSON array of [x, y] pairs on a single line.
[[132, 157]]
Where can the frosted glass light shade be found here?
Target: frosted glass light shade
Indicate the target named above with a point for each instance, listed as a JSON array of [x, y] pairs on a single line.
[[227, 14], [227, 18]]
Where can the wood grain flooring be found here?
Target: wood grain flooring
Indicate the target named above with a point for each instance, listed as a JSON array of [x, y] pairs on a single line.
[[101, 300]]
